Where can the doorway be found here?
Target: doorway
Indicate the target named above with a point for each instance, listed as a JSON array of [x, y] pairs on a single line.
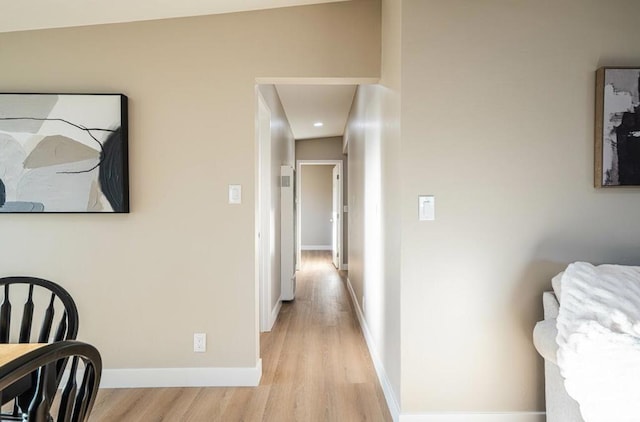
[[292, 119], [326, 217]]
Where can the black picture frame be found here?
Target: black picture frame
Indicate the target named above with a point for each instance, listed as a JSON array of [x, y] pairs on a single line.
[[617, 128], [64, 153]]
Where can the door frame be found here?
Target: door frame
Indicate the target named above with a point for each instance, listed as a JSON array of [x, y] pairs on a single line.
[[336, 219], [263, 207], [299, 164]]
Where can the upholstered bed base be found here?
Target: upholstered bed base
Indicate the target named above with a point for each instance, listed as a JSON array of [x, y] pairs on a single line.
[[559, 406]]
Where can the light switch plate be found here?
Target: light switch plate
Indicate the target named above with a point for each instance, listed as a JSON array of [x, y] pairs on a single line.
[[427, 207], [235, 194]]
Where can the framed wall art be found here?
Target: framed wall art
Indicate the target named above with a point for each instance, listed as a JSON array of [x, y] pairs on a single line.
[[64, 153], [617, 128]]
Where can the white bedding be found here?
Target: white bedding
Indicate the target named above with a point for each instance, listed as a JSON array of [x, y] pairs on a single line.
[[599, 340]]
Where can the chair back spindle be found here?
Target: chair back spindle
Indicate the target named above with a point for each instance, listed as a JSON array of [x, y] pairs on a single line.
[[68, 396], [27, 317], [47, 321], [5, 316]]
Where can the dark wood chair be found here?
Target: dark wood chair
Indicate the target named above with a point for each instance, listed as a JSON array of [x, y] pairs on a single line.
[[69, 401], [33, 310]]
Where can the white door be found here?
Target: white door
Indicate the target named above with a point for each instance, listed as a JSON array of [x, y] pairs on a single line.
[[335, 218]]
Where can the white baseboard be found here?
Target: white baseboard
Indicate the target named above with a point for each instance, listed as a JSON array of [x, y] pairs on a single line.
[[316, 247], [274, 313], [182, 377], [389, 394], [344, 267], [476, 417]]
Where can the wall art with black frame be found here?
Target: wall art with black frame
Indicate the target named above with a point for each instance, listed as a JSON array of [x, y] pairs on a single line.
[[617, 128], [64, 153]]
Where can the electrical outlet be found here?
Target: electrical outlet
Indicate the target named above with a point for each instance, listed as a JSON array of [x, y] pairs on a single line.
[[199, 342]]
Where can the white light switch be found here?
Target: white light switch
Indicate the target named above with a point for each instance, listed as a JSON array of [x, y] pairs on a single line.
[[235, 194], [427, 207]]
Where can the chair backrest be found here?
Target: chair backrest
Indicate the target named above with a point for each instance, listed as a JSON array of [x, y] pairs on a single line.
[[48, 312], [69, 401]]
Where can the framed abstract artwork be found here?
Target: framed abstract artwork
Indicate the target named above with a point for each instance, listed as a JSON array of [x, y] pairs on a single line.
[[617, 128], [64, 153]]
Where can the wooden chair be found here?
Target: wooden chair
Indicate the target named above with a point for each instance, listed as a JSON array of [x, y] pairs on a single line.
[[43, 312], [71, 403]]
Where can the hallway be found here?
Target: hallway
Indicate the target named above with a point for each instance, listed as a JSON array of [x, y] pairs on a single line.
[[315, 360], [316, 367]]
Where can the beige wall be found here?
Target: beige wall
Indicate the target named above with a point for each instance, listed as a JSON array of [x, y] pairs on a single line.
[[392, 186], [316, 206], [362, 136], [183, 260], [373, 141], [281, 153], [320, 149], [497, 123], [330, 149], [374, 245]]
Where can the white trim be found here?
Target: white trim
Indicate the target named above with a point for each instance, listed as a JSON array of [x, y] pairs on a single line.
[[182, 377], [265, 255], [316, 81], [316, 247], [274, 314], [389, 394], [476, 417]]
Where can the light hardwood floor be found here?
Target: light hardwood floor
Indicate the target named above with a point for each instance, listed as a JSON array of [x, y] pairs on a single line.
[[316, 367]]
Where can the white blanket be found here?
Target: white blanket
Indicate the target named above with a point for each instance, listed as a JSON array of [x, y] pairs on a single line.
[[599, 340]]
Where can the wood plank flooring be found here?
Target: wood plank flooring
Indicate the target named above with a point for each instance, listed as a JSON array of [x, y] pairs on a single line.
[[316, 367]]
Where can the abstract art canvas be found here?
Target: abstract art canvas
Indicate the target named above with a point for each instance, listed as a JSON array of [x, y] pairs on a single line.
[[617, 129], [63, 153]]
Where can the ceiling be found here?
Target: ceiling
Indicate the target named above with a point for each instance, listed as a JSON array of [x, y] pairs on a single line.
[[305, 105], [19, 15]]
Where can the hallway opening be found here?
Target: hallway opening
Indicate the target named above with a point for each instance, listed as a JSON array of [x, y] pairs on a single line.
[[357, 143]]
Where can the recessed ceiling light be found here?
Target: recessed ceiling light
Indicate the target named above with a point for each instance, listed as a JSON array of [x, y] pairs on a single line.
[[318, 124]]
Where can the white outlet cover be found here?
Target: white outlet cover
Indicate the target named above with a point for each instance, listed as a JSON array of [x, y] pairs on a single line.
[[199, 342]]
